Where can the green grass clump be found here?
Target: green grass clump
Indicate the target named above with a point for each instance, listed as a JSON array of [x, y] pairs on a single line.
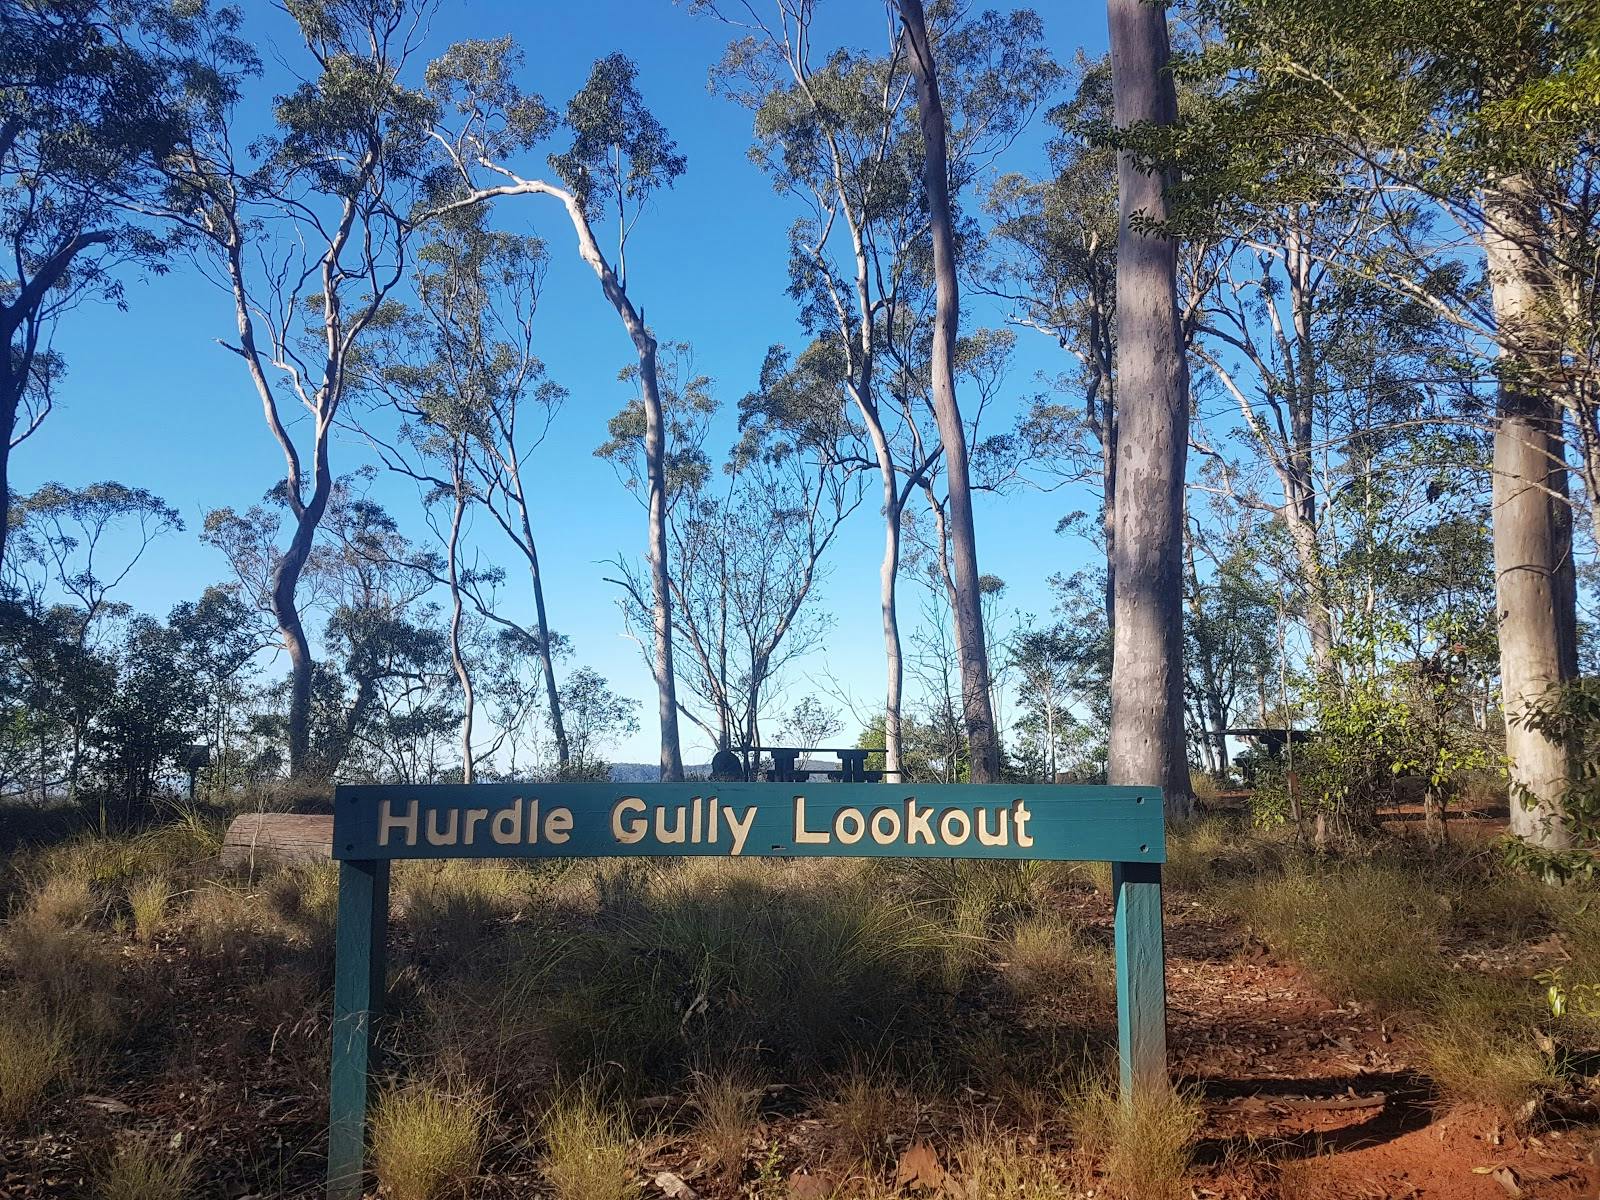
[[142, 1169], [1368, 931], [588, 1150], [684, 963], [426, 1142], [1478, 1044], [147, 901], [1044, 958], [1143, 1149], [34, 1052]]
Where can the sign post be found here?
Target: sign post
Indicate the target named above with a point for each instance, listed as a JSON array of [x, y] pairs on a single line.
[[374, 825]]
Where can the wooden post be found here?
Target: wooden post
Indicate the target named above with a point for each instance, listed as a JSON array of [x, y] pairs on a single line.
[[359, 978], [1141, 978]]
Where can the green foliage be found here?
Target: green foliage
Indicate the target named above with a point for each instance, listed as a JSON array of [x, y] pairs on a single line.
[[619, 150], [1569, 714]]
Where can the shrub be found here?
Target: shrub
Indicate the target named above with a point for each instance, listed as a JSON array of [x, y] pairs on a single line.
[[587, 1149], [426, 1142]]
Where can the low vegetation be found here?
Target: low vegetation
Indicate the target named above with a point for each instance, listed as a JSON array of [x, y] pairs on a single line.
[[581, 1027]]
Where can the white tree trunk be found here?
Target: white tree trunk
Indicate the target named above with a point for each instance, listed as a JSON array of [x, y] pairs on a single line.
[[1147, 738], [976, 707], [1534, 588]]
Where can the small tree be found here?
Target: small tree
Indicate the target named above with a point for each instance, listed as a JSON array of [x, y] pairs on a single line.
[[618, 156], [341, 168]]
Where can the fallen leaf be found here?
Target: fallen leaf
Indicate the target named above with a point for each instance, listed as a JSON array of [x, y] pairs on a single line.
[[919, 1168], [811, 1187], [675, 1187], [1507, 1178]]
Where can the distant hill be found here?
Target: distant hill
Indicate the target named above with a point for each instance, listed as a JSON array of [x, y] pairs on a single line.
[[651, 772]]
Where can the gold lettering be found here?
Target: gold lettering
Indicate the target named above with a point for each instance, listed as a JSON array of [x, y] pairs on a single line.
[[636, 828]]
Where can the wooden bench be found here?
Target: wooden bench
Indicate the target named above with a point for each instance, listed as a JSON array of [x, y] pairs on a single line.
[[277, 838]]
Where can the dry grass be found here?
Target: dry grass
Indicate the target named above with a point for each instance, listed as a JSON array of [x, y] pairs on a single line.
[[1044, 958], [148, 899], [588, 1150], [34, 1052], [63, 898], [1143, 1148], [1478, 1045], [1368, 931], [726, 1104], [863, 1112], [142, 1169], [995, 1166], [427, 1142]]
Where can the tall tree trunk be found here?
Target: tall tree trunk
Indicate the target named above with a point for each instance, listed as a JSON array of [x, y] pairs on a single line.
[[977, 708], [1534, 588], [1147, 740], [655, 451], [888, 577], [10, 401], [547, 662], [285, 583], [644, 343], [457, 660]]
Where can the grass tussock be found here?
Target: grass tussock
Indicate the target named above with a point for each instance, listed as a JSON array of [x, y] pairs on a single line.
[[148, 899], [35, 1051], [996, 1166], [1142, 1149], [863, 1112], [427, 1142], [588, 1151], [62, 898], [1368, 931], [683, 963], [726, 1104], [140, 1168], [1044, 958], [1478, 1045]]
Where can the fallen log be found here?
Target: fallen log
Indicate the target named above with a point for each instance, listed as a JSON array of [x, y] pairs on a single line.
[[257, 838]]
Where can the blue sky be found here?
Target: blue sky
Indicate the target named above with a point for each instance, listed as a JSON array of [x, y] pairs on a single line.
[[152, 400]]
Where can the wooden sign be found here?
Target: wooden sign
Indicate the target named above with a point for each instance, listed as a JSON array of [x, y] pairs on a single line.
[[373, 825]]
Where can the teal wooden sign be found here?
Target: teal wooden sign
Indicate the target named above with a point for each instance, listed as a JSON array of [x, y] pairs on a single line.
[[373, 825]]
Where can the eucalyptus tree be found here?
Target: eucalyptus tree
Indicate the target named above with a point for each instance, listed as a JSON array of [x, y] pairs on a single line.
[[1147, 736], [839, 133], [1053, 261], [966, 602], [338, 177], [94, 94], [747, 541], [1471, 112], [71, 550], [475, 404], [618, 156]]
